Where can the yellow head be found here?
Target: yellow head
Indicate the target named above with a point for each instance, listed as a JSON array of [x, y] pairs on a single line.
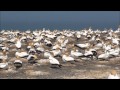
[[17, 56], [113, 72], [35, 56]]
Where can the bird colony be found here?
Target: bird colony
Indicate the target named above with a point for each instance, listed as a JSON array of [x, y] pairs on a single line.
[[57, 47]]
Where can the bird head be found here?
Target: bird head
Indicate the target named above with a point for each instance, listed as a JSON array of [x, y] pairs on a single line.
[[113, 72]]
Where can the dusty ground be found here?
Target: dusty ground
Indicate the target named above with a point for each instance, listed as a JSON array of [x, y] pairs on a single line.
[[78, 70]]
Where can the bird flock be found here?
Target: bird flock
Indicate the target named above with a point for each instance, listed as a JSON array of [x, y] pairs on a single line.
[[57, 46]]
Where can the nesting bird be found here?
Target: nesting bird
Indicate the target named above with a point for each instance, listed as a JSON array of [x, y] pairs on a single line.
[[32, 58], [67, 58], [4, 65], [18, 63], [104, 56], [56, 52], [89, 43], [113, 75], [74, 53], [21, 53], [83, 45]]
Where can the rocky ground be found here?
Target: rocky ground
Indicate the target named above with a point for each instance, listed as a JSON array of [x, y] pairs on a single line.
[[78, 70], [82, 69]]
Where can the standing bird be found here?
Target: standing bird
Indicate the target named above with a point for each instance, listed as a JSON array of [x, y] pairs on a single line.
[[54, 62], [18, 43]]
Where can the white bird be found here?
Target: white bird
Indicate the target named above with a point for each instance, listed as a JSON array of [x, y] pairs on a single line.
[[85, 58], [21, 54], [32, 50], [90, 54], [113, 75], [40, 49], [47, 54], [3, 65], [56, 52], [54, 61], [76, 53], [56, 46], [23, 38], [18, 63], [93, 38], [115, 41], [18, 44], [104, 55], [67, 58], [83, 45], [78, 36], [114, 52], [107, 47], [36, 44], [87, 53], [98, 45], [32, 58]]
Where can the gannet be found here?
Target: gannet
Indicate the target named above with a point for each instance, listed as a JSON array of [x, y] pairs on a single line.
[[21, 54], [18, 43], [75, 53], [54, 62], [113, 75], [104, 55], [83, 45], [67, 58], [4, 65], [18, 63], [32, 58]]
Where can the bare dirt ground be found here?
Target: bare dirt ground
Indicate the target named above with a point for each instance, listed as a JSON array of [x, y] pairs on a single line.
[[78, 70]]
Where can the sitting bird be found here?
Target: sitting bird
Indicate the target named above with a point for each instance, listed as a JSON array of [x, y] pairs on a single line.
[[113, 75], [32, 58], [18, 63]]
